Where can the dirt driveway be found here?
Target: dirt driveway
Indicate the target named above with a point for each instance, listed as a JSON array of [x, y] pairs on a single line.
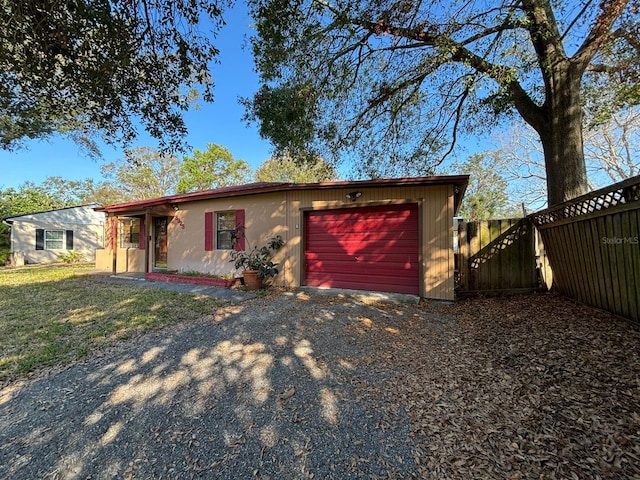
[[297, 386]]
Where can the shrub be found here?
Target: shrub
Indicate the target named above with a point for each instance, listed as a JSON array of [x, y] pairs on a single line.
[[259, 258], [4, 255], [70, 257]]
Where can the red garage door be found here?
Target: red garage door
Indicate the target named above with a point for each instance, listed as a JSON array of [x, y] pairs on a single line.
[[369, 248]]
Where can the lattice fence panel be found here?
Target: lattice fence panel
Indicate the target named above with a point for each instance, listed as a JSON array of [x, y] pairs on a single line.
[[617, 194]]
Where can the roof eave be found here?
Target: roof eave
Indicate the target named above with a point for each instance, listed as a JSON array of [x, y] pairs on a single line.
[[459, 181]]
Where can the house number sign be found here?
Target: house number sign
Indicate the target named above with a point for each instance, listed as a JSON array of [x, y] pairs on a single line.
[[179, 220]]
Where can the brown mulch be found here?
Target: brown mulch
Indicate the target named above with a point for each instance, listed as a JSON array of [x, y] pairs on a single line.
[[532, 386], [298, 385]]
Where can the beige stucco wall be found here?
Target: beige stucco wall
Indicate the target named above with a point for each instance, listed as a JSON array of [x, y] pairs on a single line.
[[104, 260], [282, 213], [127, 259], [435, 205], [265, 218], [130, 260]]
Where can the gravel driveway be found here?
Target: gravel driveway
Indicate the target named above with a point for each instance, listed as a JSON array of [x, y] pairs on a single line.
[[297, 385], [263, 389]]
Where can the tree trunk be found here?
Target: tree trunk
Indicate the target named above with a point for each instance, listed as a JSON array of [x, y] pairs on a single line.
[[561, 136]]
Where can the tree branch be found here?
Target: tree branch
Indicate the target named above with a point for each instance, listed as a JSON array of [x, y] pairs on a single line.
[[601, 68], [576, 18], [452, 50], [599, 33], [543, 30], [458, 115]]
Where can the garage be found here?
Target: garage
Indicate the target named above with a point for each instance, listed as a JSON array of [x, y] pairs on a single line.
[[364, 248], [386, 235]]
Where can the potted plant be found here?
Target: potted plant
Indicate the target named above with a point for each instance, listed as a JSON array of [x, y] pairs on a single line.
[[256, 263]]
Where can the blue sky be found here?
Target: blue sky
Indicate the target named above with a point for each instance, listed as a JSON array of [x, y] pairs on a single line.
[[219, 122]]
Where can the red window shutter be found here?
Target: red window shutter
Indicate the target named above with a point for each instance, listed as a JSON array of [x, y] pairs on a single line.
[[208, 231], [142, 237], [239, 245]]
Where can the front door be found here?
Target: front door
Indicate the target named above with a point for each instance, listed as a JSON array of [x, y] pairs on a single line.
[[160, 233]]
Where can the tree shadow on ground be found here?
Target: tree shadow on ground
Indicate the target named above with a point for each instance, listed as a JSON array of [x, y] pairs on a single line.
[[269, 388]]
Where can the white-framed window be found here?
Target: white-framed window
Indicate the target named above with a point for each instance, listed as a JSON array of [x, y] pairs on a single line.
[[54, 239], [225, 230], [129, 233]]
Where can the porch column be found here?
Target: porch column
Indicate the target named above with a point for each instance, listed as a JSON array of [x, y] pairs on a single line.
[[147, 239]]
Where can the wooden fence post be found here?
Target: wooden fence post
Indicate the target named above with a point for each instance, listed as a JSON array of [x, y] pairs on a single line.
[[463, 255]]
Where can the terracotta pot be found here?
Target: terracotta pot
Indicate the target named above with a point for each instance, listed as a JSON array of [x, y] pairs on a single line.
[[251, 280]]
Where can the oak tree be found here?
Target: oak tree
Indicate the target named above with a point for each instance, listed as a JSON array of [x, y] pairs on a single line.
[[212, 168], [486, 196], [143, 173], [88, 67], [288, 170], [610, 151], [388, 80]]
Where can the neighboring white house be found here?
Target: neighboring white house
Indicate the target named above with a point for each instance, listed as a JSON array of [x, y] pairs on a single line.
[[41, 237]]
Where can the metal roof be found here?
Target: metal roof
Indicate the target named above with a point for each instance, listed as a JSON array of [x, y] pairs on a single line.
[[269, 187]]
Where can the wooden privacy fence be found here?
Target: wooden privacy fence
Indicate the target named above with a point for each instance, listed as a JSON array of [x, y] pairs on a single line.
[[593, 246], [497, 256]]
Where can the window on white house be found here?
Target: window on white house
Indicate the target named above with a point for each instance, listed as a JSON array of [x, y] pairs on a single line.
[[130, 233], [54, 239], [225, 230]]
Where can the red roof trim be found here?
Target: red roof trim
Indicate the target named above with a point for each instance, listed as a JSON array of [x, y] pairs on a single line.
[[266, 187]]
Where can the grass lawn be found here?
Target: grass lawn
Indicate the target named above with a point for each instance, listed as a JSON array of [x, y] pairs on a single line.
[[56, 314]]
